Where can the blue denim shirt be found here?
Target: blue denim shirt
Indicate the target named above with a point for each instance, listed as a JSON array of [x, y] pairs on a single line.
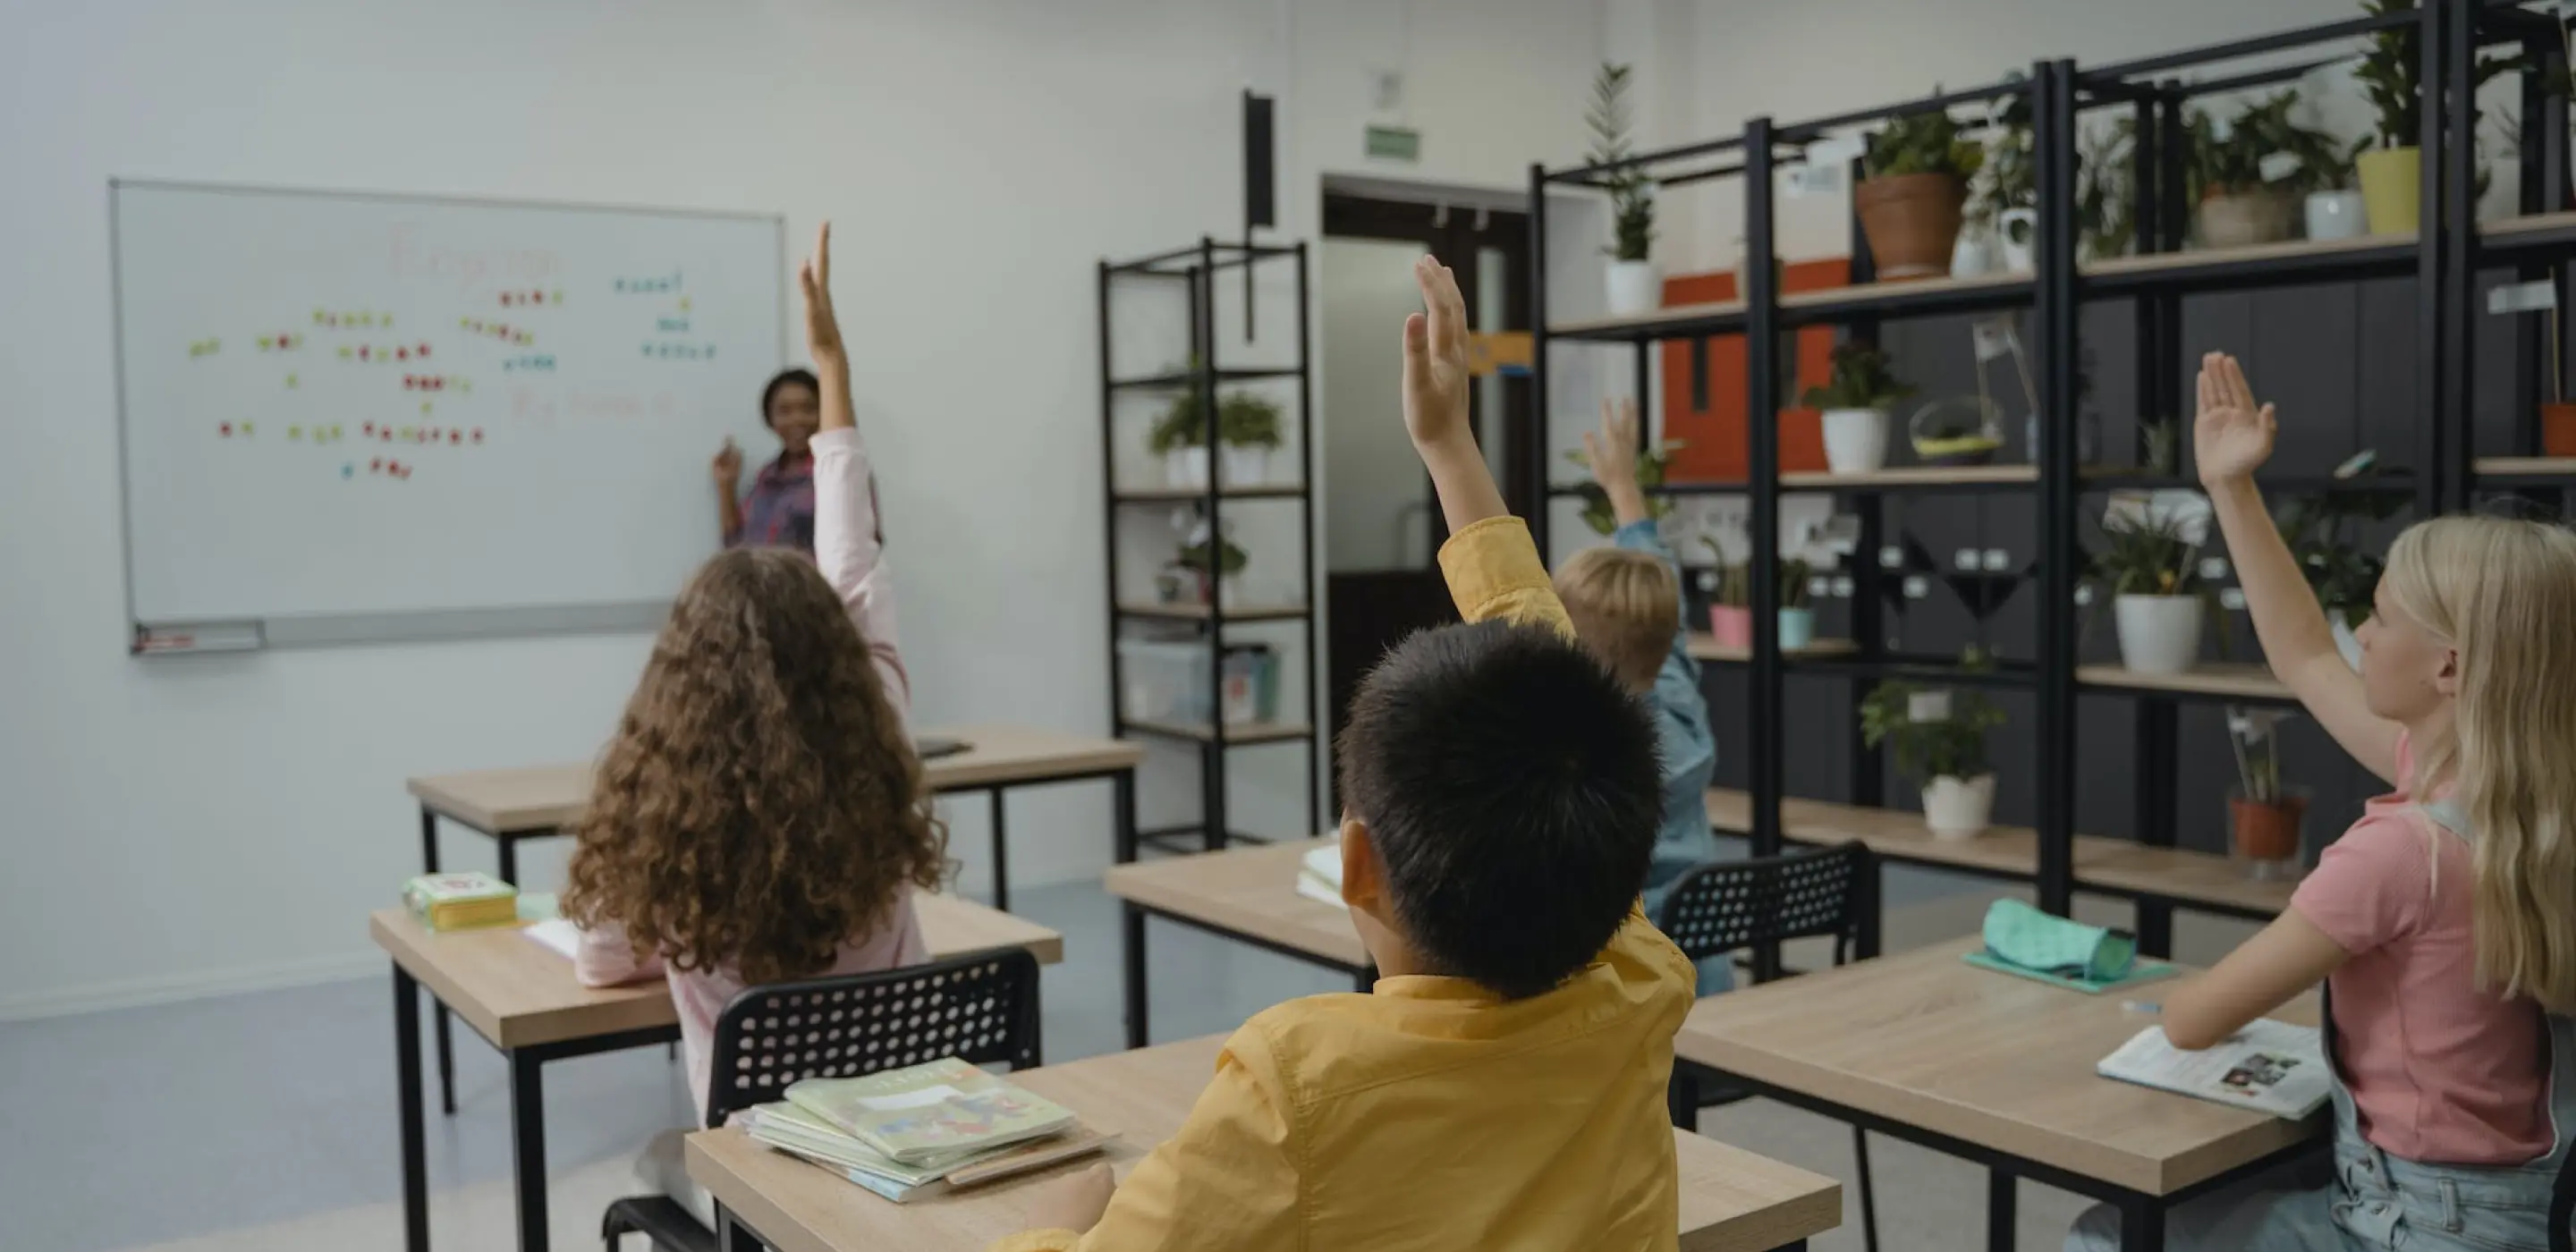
[[1690, 760]]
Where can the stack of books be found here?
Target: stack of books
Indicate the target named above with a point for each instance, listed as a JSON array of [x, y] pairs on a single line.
[[461, 901], [923, 1130], [1320, 876]]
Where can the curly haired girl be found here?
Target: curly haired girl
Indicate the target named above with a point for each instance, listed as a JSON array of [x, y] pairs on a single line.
[[760, 815]]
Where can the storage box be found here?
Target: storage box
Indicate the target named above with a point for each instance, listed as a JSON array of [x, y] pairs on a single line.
[[1166, 680]]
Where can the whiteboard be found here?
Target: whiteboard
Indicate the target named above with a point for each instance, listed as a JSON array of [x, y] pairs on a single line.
[[349, 417]]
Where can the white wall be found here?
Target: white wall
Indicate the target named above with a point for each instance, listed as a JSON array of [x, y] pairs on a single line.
[[198, 825]]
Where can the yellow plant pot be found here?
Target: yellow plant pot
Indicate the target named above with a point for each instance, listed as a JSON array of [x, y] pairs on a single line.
[[2392, 183]]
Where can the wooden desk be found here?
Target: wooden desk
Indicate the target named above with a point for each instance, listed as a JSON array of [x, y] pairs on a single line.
[[522, 998], [1245, 894], [1992, 1068], [539, 802], [1731, 1200]]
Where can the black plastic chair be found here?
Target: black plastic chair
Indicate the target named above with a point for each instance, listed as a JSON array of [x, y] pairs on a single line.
[[1728, 906], [981, 1008]]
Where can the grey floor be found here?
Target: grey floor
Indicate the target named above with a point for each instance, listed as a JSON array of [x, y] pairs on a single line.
[[147, 1125]]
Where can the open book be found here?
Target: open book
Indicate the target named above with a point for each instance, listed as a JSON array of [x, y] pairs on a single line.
[[929, 1114], [799, 1132], [1319, 877], [2271, 1067]]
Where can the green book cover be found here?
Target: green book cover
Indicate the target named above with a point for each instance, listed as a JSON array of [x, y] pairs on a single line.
[[927, 1112]]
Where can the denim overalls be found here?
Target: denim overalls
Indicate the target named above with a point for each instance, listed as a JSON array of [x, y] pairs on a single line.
[[2363, 1199]]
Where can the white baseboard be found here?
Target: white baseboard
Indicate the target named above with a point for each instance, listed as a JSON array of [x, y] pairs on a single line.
[[172, 988]]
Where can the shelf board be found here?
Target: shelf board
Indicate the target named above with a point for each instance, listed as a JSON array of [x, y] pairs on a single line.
[[1898, 299], [2124, 868], [2263, 264], [1201, 613], [2248, 682], [2525, 467], [1704, 647], [1914, 476], [1153, 382], [1240, 732], [2538, 232], [1193, 495]]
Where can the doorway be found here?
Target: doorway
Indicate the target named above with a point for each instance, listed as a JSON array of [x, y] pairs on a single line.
[[1382, 524]]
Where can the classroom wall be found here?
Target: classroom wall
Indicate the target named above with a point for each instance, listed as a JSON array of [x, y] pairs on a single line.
[[193, 826]]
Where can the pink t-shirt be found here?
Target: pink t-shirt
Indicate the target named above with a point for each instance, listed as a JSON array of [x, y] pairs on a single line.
[[2441, 1072]]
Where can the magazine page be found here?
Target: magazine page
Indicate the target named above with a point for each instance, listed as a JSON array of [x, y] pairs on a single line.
[[2271, 1066]]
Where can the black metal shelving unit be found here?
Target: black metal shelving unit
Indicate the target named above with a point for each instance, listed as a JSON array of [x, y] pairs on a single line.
[[2445, 472], [1193, 270]]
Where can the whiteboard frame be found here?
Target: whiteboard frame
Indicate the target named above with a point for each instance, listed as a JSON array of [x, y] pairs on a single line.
[[181, 638]]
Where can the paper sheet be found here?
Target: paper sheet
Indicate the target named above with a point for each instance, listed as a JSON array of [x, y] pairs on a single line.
[[555, 933]]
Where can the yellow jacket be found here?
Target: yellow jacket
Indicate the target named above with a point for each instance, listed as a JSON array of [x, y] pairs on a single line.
[[1432, 1115]]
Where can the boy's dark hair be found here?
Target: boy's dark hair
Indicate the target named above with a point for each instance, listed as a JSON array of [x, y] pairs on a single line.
[[1512, 791]]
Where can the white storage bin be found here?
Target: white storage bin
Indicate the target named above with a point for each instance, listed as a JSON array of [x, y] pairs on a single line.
[[1166, 681]]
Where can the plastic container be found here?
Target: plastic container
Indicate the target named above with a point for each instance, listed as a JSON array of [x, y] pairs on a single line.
[[1251, 684], [1165, 680]]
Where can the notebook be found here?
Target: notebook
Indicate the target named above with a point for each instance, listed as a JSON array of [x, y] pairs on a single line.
[[2271, 1067], [799, 1133], [922, 1113], [1319, 875], [461, 901]]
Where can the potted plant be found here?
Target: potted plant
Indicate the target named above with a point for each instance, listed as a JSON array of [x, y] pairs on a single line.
[[2160, 446], [1940, 742], [1225, 567], [1730, 604], [2336, 209], [2010, 198], [1179, 437], [1797, 608], [2105, 211], [1635, 287], [2150, 566], [1250, 428], [1651, 465], [1915, 197], [2264, 818], [1855, 399], [2391, 168], [2319, 530], [2247, 175]]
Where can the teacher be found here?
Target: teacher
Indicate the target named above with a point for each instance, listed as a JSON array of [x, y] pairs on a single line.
[[778, 512]]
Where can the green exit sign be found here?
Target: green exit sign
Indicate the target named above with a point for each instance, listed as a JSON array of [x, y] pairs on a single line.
[[1395, 143]]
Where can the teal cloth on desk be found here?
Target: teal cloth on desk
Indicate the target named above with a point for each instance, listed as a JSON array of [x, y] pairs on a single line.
[[2023, 939]]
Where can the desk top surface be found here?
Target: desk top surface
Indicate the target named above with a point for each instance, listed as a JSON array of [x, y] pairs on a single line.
[[1926, 1039], [550, 797], [517, 992], [1249, 890], [1732, 1200]]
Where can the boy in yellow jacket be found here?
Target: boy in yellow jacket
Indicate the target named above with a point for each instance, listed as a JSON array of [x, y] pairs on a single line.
[[1504, 1086]]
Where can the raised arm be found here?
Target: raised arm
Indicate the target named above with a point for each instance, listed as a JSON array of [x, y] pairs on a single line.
[[849, 543], [728, 475], [1612, 453], [2231, 439], [1492, 567]]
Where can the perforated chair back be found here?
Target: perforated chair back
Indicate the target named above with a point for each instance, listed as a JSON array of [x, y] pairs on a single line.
[[1725, 906], [981, 1008]]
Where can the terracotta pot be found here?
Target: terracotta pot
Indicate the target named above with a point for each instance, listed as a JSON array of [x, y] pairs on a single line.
[[1732, 624], [2558, 430], [2268, 831], [2392, 184], [2242, 220], [1912, 221]]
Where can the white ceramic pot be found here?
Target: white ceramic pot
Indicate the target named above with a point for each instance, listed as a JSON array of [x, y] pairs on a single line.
[[1186, 469], [2017, 235], [2158, 634], [1855, 440], [1972, 255], [1635, 287], [1959, 809], [2346, 642], [1247, 467], [2337, 215]]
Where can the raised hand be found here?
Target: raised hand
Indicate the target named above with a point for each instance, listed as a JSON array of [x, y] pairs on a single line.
[[728, 465], [1435, 361], [2232, 437], [1612, 453], [822, 329]]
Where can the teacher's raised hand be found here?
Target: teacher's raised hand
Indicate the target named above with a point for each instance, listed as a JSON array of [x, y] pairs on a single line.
[[823, 332]]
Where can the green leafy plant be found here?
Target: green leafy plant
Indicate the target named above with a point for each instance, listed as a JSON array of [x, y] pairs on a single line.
[[2160, 443], [2230, 161], [1632, 193], [1951, 747], [1184, 425], [1861, 379], [1245, 420], [1651, 465], [2150, 555], [2390, 76], [2321, 530], [1923, 143], [1734, 583], [2011, 165], [1230, 559], [1794, 573], [2104, 206]]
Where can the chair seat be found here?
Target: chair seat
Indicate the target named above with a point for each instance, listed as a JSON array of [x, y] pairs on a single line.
[[665, 1221]]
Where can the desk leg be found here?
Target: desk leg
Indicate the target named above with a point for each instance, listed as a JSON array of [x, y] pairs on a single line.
[[446, 1042], [1125, 784], [1001, 856], [2002, 1198], [732, 1235], [2142, 1224], [415, 1152], [1681, 1097], [1131, 942], [528, 1148]]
